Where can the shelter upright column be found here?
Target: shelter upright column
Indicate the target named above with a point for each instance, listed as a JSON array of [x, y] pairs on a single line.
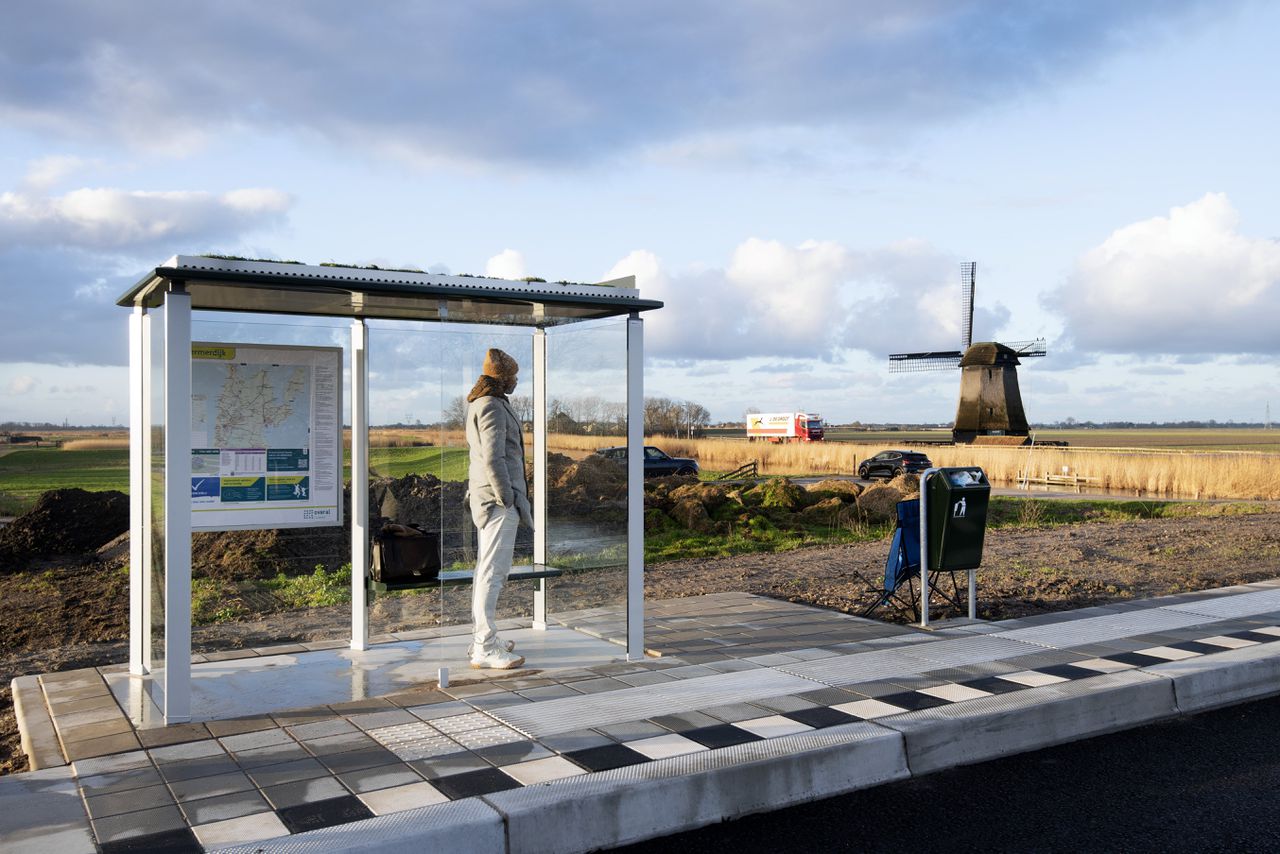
[[177, 504], [635, 488], [139, 469], [359, 484], [540, 473]]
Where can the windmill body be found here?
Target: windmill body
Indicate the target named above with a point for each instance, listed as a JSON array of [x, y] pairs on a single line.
[[990, 408]]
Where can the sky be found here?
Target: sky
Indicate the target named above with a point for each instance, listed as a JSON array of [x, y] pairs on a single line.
[[797, 181]]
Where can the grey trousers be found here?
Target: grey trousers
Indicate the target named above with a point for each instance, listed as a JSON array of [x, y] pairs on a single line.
[[495, 545]]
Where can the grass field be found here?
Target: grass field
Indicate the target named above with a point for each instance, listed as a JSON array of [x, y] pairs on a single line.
[[26, 473]]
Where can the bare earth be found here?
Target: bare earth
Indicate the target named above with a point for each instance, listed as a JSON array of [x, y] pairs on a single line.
[[77, 617]]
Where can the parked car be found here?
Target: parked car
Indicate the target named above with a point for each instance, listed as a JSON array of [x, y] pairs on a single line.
[[893, 463], [656, 462]]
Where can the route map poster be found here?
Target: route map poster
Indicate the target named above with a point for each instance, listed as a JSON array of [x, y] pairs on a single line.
[[266, 436]]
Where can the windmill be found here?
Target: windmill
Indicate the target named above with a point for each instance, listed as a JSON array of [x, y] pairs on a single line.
[[990, 403]]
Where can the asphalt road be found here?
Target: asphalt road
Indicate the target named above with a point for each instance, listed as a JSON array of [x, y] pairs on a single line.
[[1206, 783]]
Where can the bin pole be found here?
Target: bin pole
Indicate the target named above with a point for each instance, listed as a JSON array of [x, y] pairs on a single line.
[[973, 594], [924, 547]]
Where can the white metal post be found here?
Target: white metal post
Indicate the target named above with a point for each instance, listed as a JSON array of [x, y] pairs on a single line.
[[138, 467], [148, 494], [540, 473], [924, 546], [359, 483], [177, 504], [635, 487]]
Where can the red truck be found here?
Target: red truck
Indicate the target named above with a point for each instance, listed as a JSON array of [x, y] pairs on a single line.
[[784, 427]]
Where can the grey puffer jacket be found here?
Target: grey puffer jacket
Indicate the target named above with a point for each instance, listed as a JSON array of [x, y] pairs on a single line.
[[496, 477]]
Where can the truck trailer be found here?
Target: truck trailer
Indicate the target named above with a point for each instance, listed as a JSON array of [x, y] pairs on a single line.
[[784, 427]]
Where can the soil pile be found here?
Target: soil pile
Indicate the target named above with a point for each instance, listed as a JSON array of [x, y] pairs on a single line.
[[63, 522], [592, 486]]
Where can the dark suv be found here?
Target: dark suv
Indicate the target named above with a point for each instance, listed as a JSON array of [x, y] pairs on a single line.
[[893, 463], [656, 463]]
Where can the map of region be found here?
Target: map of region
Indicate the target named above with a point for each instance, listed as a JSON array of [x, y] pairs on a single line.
[[251, 405]]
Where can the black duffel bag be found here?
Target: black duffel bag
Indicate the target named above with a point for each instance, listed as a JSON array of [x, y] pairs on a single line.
[[405, 553]]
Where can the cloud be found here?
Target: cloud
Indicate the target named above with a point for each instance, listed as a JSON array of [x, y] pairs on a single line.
[[808, 301], [1186, 283], [23, 384], [536, 82], [103, 218], [507, 264]]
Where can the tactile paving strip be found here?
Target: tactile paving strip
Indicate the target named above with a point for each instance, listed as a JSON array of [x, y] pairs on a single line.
[[1101, 629], [1232, 606], [569, 713]]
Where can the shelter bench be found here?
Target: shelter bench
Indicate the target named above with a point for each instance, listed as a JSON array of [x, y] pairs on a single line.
[[458, 577]]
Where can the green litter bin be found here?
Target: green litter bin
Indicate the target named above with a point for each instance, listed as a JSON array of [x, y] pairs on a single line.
[[957, 508]]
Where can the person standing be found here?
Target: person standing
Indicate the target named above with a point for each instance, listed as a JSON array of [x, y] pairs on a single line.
[[499, 498]]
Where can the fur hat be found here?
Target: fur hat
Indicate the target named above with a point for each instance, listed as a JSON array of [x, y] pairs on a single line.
[[499, 365]]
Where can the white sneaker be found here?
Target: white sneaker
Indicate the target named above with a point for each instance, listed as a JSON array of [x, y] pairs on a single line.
[[509, 646], [497, 659]]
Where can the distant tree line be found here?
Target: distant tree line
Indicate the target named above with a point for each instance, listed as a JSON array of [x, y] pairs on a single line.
[[591, 415]]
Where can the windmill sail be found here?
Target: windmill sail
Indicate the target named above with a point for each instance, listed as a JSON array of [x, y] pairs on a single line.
[[968, 284], [937, 360]]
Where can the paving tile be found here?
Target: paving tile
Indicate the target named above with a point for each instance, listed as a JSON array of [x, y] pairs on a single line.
[[773, 726], [304, 791], [787, 703], [549, 692], [292, 717], [252, 740], [172, 734], [223, 807], [211, 787], [463, 723], [132, 800], [683, 721], [1102, 665], [453, 763], [1137, 659], [579, 739], [189, 769], [471, 783], [733, 712], [376, 720], [318, 814], [1227, 642], [104, 746], [631, 730], [513, 751], [321, 729], [1074, 670], [435, 711], [996, 685], [1032, 678], [381, 777], [236, 831], [1196, 647], [1168, 653], [237, 726], [115, 726], [825, 696], [357, 707], [120, 781], [188, 750], [869, 709], [342, 743], [663, 746], [109, 764], [354, 760], [543, 770], [176, 841], [954, 693], [599, 685], [498, 701], [400, 798], [287, 772], [821, 717], [464, 691], [140, 823], [476, 739], [423, 697], [606, 757], [720, 735]]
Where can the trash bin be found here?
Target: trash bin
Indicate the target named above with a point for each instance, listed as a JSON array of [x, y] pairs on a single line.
[[957, 508]]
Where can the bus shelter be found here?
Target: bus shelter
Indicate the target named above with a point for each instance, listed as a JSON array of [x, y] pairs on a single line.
[[246, 376]]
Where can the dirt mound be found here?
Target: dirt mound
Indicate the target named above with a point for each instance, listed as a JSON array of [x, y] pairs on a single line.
[[845, 489], [63, 522], [879, 503], [591, 485]]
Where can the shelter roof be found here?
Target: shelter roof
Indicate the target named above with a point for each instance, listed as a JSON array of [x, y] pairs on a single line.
[[276, 287]]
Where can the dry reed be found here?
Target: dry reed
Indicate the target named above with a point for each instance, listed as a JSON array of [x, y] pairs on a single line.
[[96, 445]]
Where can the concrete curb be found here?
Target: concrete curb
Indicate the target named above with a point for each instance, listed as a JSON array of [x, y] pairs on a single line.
[[1006, 724], [1228, 678], [39, 738], [640, 802]]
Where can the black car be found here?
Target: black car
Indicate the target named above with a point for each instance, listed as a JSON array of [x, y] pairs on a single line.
[[893, 463], [656, 462]]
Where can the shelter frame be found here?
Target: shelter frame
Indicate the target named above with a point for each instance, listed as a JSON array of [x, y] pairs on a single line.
[[174, 290]]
